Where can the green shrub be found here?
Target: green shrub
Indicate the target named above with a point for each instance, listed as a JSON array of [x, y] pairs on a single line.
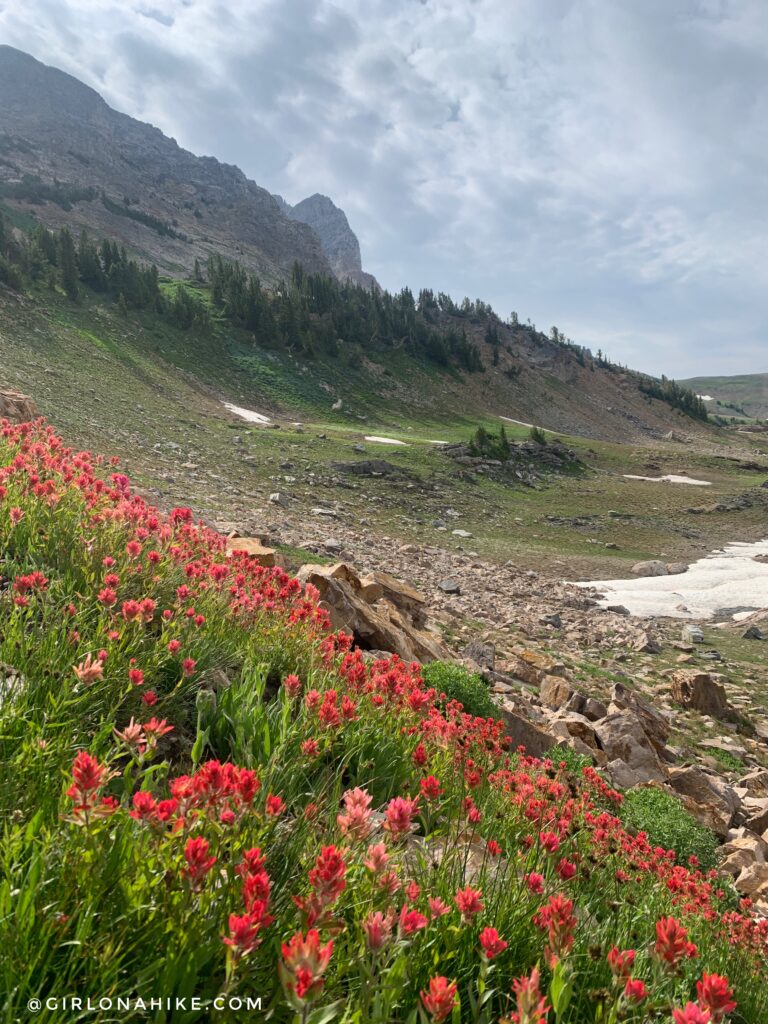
[[537, 435], [469, 688], [574, 762], [668, 824]]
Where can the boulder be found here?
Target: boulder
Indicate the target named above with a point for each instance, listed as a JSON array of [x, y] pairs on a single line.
[[632, 758], [755, 783], [753, 633], [402, 595], [644, 643], [521, 732], [698, 690], [531, 667], [710, 799], [754, 813], [16, 407], [676, 568], [692, 634], [652, 567], [654, 724], [450, 586], [385, 625], [568, 723], [555, 691]]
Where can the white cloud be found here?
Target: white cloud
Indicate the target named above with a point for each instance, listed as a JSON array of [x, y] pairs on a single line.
[[599, 164]]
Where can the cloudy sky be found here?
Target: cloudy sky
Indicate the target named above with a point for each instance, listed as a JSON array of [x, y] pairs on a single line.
[[601, 165]]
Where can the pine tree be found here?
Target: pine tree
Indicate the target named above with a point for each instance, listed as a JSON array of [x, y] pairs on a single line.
[[68, 270]]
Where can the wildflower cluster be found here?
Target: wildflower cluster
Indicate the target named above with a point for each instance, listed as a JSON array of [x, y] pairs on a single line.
[[310, 824]]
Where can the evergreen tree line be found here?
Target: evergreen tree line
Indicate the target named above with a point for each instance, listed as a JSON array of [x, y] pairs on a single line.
[[56, 259], [674, 394], [313, 313]]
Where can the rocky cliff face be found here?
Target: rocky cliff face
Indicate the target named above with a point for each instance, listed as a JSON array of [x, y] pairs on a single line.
[[339, 241], [66, 156]]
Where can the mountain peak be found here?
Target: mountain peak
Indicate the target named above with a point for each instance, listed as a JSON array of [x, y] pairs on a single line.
[[340, 243]]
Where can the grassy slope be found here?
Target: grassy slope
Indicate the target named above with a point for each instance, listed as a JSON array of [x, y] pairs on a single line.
[[138, 388]]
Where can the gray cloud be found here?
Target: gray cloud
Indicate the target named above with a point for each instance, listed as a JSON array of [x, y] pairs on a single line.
[[598, 164]]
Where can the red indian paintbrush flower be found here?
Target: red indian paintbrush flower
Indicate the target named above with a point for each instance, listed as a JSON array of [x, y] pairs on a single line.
[[672, 942], [621, 962], [492, 943], [198, 861], [557, 918], [715, 995], [469, 902], [305, 961], [399, 814], [532, 1006], [635, 990], [691, 1014], [88, 777], [439, 999], [355, 822]]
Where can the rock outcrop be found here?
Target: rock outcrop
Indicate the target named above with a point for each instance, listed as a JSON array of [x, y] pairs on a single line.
[[381, 613]]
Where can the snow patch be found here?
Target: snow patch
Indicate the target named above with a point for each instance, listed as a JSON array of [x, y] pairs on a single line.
[[246, 414], [385, 440], [729, 582], [670, 478]]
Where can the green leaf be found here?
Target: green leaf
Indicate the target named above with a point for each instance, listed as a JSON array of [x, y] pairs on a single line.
[[323, 1014], [560, 989]]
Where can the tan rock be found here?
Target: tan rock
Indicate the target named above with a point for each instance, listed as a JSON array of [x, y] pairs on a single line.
[[710, 800], [555, 691], [698, 690], [382, 626], [524, 733], [16, 407], [631, 756], [255, 549], [654, 724]]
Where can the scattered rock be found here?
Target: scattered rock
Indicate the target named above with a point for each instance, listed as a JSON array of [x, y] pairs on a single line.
[[753, 633], [677, 568], [483, 654], [255, 549], [385, 625]]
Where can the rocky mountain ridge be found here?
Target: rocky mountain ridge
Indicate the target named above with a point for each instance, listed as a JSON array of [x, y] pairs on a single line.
[[70, 159]]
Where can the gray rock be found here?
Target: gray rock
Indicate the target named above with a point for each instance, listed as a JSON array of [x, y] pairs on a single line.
[[753, 633], [692, 634], [450, 586], [483, 654], [552, 620]]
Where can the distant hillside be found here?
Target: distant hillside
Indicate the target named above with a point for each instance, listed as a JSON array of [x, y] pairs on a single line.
[[335, 342], [745, 395], [69, 158]]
